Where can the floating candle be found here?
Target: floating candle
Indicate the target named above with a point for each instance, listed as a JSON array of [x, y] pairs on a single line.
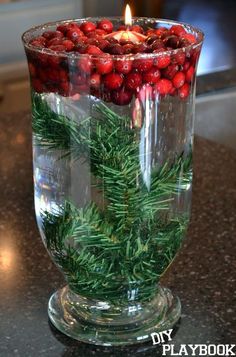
[[127, 35]]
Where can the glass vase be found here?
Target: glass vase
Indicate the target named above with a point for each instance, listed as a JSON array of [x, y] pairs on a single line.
[[112, 181]]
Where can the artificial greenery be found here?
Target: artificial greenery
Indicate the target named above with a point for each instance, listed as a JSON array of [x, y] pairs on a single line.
[[118, 251]]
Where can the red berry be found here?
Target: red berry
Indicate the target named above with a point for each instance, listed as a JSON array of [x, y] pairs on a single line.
[[52, 34], [156, 45], [128, 49], [186, 66], [189, 74], [163, 87], [133, 81], [160, 31], [177, 30], [113, 81], [95, 80], [104, 64], [102, 44], [178, 79], [38, 85], [63, 28], [162, 60], [53, 75], [74, 34], [63, 75], [170, 71], [58, 48], [54, 41], [69, 45], [179, 57], [172, 41], [141, 48], [36, 44], [152, 76], [184, 91], [121, 97], [143, 65], [137, 28], [32, 69], [39, 39], [87, 27], [84, 65], [123, 66], [54, 61], [93, 50], [189, 37], [105, 25], [115, 49]]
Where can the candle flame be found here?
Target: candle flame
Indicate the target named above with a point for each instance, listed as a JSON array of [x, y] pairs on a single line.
[[128, 16]]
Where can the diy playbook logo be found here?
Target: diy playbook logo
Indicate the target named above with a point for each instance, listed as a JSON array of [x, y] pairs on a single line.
[[190, 350]]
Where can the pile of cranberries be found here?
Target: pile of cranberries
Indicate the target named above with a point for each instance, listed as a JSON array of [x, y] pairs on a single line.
[[111, 69]]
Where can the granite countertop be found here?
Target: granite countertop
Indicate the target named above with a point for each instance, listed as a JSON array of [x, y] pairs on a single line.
[[203, 274]]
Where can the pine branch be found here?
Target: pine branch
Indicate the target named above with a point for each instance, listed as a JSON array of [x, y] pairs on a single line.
[[126, 245]]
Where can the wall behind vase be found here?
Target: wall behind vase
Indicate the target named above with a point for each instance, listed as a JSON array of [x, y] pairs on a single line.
[[103, 7]]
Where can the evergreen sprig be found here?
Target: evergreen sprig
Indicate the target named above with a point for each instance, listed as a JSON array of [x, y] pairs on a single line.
[[119, 251]]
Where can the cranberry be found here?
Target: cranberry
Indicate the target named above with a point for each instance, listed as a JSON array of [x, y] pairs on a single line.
[[54, 41], [39, 39], [52, 34], [96, 33], [74, 34], [121, 97], [184, 91], [143, 65], [102, 44], [186, 66], [123, 66], [162, 60], [54, 61], [122, 27], [87, 27], [65, 88], [113, 81], [63, 28], [163, 87], [42, 75], [137, 28], [170, 71], [53, 75], [105, 25], [80, 47], [58, 48], [32, 69], [151, 39], [152, 76], [177, 30], [133, 81], [63, 75], [172, 41], [84, 65], [128, 49], [93, 50], [179, 57], [178, 79], [157, 45], [191, 39], [38, 85], [95, 80], [37, 44], [189, 74], [69, 45], [104, 64], [161, 31], [150, 32], [141, 48], [115, 49]]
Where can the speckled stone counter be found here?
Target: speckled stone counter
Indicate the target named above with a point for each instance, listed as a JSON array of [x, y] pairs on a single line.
[[203, 275]]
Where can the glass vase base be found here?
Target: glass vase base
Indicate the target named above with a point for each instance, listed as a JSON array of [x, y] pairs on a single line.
[[99, 323]]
